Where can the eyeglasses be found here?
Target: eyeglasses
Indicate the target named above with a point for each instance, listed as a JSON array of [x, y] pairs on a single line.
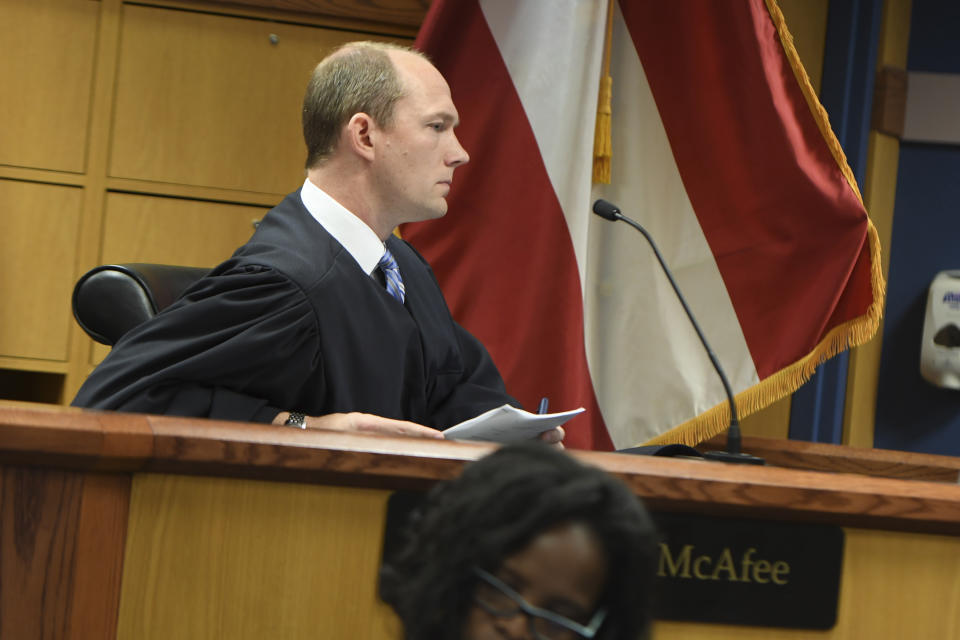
[[499, 600]]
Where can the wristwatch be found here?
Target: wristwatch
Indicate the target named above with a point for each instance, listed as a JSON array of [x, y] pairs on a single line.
[[297, 420]]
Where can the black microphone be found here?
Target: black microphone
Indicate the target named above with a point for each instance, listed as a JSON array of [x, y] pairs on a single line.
[[610, 211]]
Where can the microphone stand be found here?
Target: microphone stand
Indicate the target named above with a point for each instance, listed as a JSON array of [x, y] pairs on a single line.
[[733, 453]]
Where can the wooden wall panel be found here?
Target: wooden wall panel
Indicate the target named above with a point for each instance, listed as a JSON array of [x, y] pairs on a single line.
[[61, 540], [98, 564], [275, 559], [407, 13], [193, 233], [208, 100], [263, 560], [39, 510], [917, 576], [46, 79], [37, 254]]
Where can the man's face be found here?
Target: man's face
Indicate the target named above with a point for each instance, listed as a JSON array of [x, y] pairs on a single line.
[[418, 153]]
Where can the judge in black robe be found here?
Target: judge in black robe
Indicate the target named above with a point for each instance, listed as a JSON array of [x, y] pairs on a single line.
[[292, 323]]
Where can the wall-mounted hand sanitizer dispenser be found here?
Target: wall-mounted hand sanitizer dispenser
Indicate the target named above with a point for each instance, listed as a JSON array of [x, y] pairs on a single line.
[[940, 351]]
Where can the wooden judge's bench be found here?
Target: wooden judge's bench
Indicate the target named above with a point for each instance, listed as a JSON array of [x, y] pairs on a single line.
[[140, 527]]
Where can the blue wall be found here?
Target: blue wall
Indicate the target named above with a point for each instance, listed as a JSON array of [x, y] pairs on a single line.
[[913, 415]]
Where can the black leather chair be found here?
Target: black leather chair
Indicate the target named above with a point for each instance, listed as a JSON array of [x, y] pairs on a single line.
[[111, 299]]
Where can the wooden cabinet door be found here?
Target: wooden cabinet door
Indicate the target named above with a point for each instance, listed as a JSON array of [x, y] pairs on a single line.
[[214, 101], [37, 256], [46, 81], [191, 233]]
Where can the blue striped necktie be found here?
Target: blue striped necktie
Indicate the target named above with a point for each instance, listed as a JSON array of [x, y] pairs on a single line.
[[391, 273]]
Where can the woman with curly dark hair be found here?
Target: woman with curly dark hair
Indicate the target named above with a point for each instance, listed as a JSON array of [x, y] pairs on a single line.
[[526, 543]]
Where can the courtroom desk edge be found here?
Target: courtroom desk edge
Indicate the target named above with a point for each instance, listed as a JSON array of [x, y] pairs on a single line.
[[143, 443], [787, 494], [51, 435], [818, 456], [211, 447]]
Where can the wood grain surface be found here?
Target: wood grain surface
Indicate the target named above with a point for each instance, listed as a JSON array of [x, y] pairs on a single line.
[[98, 555], [62, 536], [32, 319], [90, 440], [38, 519], [816, 456], [200, 79], [47, 80], [228, 558], [404, 13], [262, 530]]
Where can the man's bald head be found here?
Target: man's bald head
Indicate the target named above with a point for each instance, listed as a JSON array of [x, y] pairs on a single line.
[[358, 77]]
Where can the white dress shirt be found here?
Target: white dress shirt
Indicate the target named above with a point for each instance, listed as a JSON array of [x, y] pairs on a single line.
[[349, 230]]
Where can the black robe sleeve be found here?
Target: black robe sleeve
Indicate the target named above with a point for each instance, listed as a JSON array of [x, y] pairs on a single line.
[[238, 337]]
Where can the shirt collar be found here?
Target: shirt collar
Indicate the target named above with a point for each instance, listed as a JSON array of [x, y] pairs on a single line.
[[350, 231]]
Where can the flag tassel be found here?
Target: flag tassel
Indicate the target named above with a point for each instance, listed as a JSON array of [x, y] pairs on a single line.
[[602, 147], [602, 144]]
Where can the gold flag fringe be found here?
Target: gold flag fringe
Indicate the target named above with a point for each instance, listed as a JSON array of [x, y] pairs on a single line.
[[602, 144], [850, 334]]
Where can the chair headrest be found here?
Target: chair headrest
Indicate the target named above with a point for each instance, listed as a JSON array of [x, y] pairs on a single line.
[[111, 299]]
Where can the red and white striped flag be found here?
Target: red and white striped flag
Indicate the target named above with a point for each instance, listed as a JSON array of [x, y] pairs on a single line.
[[720, 149]]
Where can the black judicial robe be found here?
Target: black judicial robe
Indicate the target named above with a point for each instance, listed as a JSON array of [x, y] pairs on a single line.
[[292, 323]]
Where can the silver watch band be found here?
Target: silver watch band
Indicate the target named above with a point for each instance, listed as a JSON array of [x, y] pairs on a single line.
[[297, 420]]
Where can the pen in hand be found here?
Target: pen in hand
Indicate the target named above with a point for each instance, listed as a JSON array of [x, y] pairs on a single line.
[[544, 403]]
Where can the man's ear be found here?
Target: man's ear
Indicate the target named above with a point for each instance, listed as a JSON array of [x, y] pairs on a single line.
[[357, 134]]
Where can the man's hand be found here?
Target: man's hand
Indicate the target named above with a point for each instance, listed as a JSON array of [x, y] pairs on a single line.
[[368, 423], [554, 436], [365, 423]]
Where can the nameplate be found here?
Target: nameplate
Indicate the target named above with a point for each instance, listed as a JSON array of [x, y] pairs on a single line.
[[748, 572], [725, 570]]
